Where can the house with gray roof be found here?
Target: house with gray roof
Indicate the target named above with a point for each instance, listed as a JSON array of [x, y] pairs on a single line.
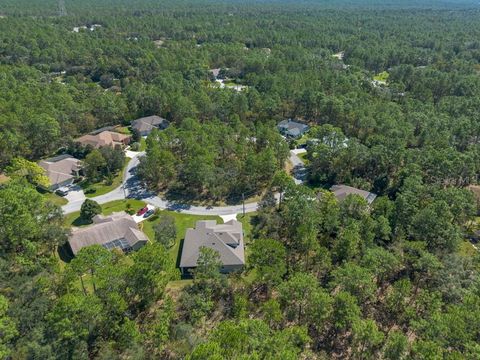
[[226, 239], [145, 125], [292, 129], [61, 170], [342, 191], [116, 231]]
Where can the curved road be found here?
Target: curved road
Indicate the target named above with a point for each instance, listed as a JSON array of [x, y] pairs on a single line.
[[133, 189]]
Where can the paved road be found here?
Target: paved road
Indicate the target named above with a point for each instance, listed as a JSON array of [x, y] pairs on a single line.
[[133, 189]]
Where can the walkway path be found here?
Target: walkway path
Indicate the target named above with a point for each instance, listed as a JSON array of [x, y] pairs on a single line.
[[133, 189]]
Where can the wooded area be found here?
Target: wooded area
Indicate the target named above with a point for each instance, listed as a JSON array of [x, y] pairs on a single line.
[[325, 279]]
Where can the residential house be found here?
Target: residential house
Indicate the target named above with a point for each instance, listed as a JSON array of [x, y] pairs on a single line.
[[342, 191], [226, 238], [145, 125], [116, 231], [292, 129], [104, 138], [215, 72], [61, 170]]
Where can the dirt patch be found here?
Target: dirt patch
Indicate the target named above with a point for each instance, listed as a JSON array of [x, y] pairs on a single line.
[[3, 178]]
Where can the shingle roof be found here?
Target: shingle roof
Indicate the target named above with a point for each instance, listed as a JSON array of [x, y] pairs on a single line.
[[342, 191], [118, 230], [291, 127], [105, 138], [215, 72], [226, 238], [148, 123], [60, 168]]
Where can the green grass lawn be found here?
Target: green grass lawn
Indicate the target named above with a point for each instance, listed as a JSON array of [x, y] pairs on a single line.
[[54, 198], [74, 219], [303, 156], [383, 76], [467, 250], [124, 130], [182, 222], [247, 231], [101, 188], [247, 225], [143, 144]]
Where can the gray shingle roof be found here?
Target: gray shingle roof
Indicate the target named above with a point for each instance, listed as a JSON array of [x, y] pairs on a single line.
[[118, 230], [149, 123], [60, 168], [226, 238], [292, 128], [342, 191]]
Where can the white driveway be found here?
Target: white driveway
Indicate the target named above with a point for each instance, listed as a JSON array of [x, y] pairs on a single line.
[[139, 219], [132, 154], [75, 193], [227, 218]]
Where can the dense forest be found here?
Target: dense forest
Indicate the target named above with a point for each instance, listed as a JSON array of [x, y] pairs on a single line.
[[392, 94]]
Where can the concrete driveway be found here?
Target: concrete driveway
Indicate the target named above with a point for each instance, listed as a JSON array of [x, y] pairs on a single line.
[[139, 219], [75, 193], [299, 170]]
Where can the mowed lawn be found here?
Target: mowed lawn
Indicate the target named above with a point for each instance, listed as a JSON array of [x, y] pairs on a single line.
[[102, 187], [74, 219], [182, 221], [54, 198]]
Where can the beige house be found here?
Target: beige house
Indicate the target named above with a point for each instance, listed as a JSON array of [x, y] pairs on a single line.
[[61, 170], [104, 138], [118, 231], [226, 239]]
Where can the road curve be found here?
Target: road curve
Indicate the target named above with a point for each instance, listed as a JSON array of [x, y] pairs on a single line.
[[132, 188]]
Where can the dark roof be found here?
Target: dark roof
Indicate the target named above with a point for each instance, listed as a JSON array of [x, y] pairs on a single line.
[[292, 127], [105, 128], [342, 191], [149, 123], [226, 238]]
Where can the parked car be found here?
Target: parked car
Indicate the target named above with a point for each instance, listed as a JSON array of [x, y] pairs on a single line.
[[148, 213], [62, 192], [142, 211]]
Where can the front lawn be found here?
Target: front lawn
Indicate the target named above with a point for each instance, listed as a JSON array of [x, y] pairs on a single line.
[[74, 218], [54, 198], [101, 188], [182, 221]]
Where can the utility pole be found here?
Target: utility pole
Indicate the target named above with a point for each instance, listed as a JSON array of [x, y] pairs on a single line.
[[62, 11]]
